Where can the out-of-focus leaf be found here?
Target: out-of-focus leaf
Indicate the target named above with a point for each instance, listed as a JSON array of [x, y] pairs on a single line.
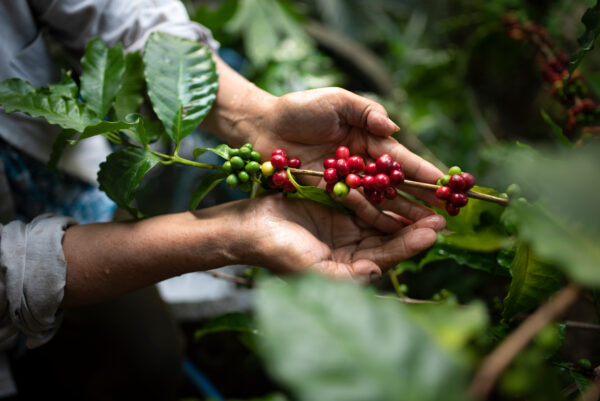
[[533, 281], [207, 184], [486, 240], [556, 130], [314, 194], [330, 340], [121, 174], [476, 215], [101, 74], [591, 21], [60, 143], [485, 261], [130, 96], [182, 82]]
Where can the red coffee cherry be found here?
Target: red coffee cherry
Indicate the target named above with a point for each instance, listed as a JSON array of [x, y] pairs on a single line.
[[330, 175], [356, 164], [279, 152], [294, 163], [279, 161], [396, 165], [353, 180], [457, 183], [289, 187], [382, 181], [452, 209], [384, 163], [390, 193], [396, 177], [458, 199], [342, 167], [329, 163], [443, 192], [329, 187], [375, 197], [342, 152], [371, 168], [368, 182], [279, 178], [469, 181]]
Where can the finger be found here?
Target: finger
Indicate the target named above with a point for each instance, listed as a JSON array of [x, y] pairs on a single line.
[[408, 208], [368, 213], [398, 248], [364, 113], [435, 222], [361, 270]]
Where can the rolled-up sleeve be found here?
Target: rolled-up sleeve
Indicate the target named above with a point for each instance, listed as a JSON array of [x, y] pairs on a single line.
[[75, 22], [32, 279]]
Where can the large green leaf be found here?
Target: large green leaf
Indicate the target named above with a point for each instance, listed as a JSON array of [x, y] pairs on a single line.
[[533, 281], [328, 340], [130, 96], [182, 82], [121, 174], [207, 184], [102, 70], [18, 95], [485, 261], [591, 21], [67, 87]]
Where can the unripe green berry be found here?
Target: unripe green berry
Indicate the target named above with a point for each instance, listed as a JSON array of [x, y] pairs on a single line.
[[445, 179], [248, 145], [252, 167], [254, 155], [513, 191], [340, 189], [246, 186], [234, 152], [237, 162], [267, 169], [227, 167], [584, 363], [454, 170], [245, 152], [243, 176], [232, 181]]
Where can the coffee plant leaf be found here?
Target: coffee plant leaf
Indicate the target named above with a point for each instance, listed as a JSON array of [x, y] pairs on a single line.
[[314, 194], [533, 281], [486, 240], [222, 151], [102, 70], [206, 185], [591, 21], [121, 174], [330, 340], [65, 137], [556, 129], [476, 215], [234, 321], [55, 107], [182, 82], [130, 96], [66, 88], [484, 261]]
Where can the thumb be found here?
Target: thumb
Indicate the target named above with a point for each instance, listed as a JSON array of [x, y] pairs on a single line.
[[364, 113]]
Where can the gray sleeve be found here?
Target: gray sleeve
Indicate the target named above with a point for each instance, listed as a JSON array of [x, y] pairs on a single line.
[[75, 22], [32, 278]]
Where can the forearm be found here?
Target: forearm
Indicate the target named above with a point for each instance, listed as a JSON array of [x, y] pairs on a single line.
[[240, 108], [109, 259]]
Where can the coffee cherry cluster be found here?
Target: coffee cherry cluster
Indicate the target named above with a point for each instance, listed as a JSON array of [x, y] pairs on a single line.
[[275, 173], [454, 186], [583, 111], [378, 182], [243, 164]]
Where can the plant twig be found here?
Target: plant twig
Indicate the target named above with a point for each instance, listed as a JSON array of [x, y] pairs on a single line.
[[407, 300], [418, 184], [229, 277], [496, 362], [582, 325]]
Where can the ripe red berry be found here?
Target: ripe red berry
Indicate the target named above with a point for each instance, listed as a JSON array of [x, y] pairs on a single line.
[[469, 181], [458, 199], [384, 163], [279, 152], [375, 197], [294, 163], [396, 177], [279, 161], [457, 183], [279, 178], [289, 187], [270, 183], [390, 193], [342, 167], [396, 165], [443, 192], [329, 187], [342, 152], [330, 175], [382, 181], [451, 209], [368, 182], [353, 180], [371, 168], [356, 164], [329, 163]]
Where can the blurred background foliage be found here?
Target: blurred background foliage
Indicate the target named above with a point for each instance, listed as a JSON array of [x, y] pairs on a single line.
[[470, 83]]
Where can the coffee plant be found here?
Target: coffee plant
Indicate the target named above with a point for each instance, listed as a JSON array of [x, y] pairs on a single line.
[[494, 310]]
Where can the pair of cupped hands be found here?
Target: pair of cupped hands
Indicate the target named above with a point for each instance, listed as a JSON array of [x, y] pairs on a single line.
[[289, 235]]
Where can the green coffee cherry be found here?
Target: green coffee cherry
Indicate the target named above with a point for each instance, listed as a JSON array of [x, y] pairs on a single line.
[[513, 191], [243, 176], [454, 170], [234, 152], [246, 186], [254, 155], [227, 167], [340, 189], [237, 162], [245, 152], [232, 181], [252, 167], [267, 169], [584, 363], [248, 145], [444, 180]]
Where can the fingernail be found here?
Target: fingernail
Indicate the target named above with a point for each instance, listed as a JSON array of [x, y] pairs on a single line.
[[374, 276], [393, 124]]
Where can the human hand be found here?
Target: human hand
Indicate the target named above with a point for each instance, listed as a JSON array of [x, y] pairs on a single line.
[[291, 235]]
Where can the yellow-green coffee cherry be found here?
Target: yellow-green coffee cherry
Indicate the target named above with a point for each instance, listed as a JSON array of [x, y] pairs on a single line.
[[454, 170], [267, 169], [340, 189]]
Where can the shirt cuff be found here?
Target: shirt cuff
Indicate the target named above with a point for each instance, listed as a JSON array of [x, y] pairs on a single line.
[[32, 278]]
